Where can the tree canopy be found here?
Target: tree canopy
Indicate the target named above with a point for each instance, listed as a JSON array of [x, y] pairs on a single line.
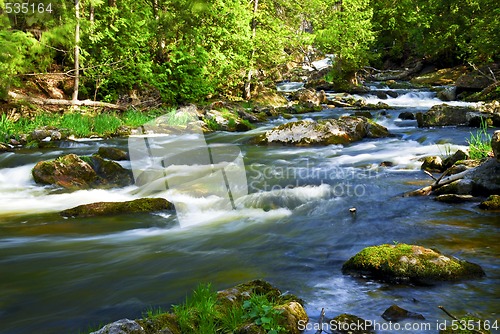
[[188, 50]]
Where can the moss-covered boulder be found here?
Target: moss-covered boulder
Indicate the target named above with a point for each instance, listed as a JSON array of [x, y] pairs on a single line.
[[68, 171], [325, 132], [445, 115], [404, 263], [492, 203], [115, 208], [123, 326]]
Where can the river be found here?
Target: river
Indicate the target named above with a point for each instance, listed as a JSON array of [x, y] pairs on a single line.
[[294, 229]]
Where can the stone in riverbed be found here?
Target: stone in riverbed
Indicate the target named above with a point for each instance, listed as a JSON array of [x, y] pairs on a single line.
[[396, 313], [407, 116], [68, 171], [115, 208], [325, 132], [123, 326], [112, 153], [432, 164], [495, 144], [350, 324], [404, 263], [491, 203]]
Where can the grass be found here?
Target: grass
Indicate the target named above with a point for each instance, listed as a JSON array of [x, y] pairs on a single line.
[[78, 124], [480, 142]]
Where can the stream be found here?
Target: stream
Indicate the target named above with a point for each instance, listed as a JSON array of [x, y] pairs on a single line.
[[294, 229]]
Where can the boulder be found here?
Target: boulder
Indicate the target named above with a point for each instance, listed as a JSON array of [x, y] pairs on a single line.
[[74, 172], [407, 116], [392, 94], [396, 313], [447, 94], [123, 326], [455, 198], [495, 144], [324, 132], [445, 115], [112, 153], [115, 208], [492, 203], [309, 95], [68, 171], [456, 157], [382, 95], [109, 173], [350, 324], [475, 81], [404, 263], [485, 178]]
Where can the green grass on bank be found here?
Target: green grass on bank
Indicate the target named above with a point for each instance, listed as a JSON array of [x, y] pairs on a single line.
[[78, 124], [480, 142]]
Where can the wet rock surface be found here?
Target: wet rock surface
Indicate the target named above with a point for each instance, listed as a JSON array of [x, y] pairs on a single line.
[[116, 208]]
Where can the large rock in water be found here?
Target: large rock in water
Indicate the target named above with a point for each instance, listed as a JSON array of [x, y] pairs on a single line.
[[446, 115], [115, 208], [485, 178], [68, 171], [404, 263], [325, 132], [74, 172]]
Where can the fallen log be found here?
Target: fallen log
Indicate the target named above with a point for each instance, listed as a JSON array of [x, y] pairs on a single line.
[[384, 76], [441, 181], [59, 102]]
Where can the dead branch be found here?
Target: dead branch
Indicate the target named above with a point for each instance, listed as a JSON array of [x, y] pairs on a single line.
[[59, 102], [441, 181]]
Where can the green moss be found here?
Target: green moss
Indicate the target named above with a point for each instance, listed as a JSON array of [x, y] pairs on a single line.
[[115, 208], [409, 263], [492, 203]]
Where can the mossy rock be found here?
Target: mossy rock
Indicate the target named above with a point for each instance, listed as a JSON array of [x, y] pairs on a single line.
[[404, 263], [110, 173], [116, 208], [165, 323], [69, 171], [492, 203], [112, 153], [343, 131], [445, 115]]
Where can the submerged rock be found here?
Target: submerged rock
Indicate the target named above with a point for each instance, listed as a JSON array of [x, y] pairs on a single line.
[[396, 313], [115, 208], [325, 132], [404, 263]]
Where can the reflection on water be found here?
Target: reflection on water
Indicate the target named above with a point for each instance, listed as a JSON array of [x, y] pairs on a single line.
[[294, 228]]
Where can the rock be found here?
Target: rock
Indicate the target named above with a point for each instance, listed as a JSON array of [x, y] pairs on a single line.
[[293, 314], [404, 263], [407, 116], [378, 106], [68, 171], [366, 114], [123, 326], [445, 115], [112, 153], [475, 81], [350, 324], [432, 164], [454, 198], [460, 187], [386, 164], [445, 76], [382, 95], [4, 148], [392, 93], [109, 173], [40, 134], [456, 157], [396, 313], [309, 96], [115, 208], [485, 178], [492, 203], [495, 144], [324, 132], [447, 94]]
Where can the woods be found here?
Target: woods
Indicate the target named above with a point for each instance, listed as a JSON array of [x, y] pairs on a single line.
[[188, 50]]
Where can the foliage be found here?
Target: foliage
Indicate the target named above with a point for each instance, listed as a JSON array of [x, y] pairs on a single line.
[[262, 312], [480, 142]]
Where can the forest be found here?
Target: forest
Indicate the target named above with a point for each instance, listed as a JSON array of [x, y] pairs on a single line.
[[191, 50]]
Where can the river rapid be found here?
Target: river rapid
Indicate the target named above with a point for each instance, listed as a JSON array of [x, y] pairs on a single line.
[[294, 229]]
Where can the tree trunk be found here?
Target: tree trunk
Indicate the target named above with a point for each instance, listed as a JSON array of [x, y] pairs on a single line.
[[59, 102], [77, 51], [247, 92]]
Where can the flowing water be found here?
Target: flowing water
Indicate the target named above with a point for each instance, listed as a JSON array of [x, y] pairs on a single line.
[[294, 229]]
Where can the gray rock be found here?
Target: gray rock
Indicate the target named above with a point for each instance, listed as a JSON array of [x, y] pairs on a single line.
[[123, 326], [396, 313], [495, 144], [448, 94], [485, 178], [112, 153]]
